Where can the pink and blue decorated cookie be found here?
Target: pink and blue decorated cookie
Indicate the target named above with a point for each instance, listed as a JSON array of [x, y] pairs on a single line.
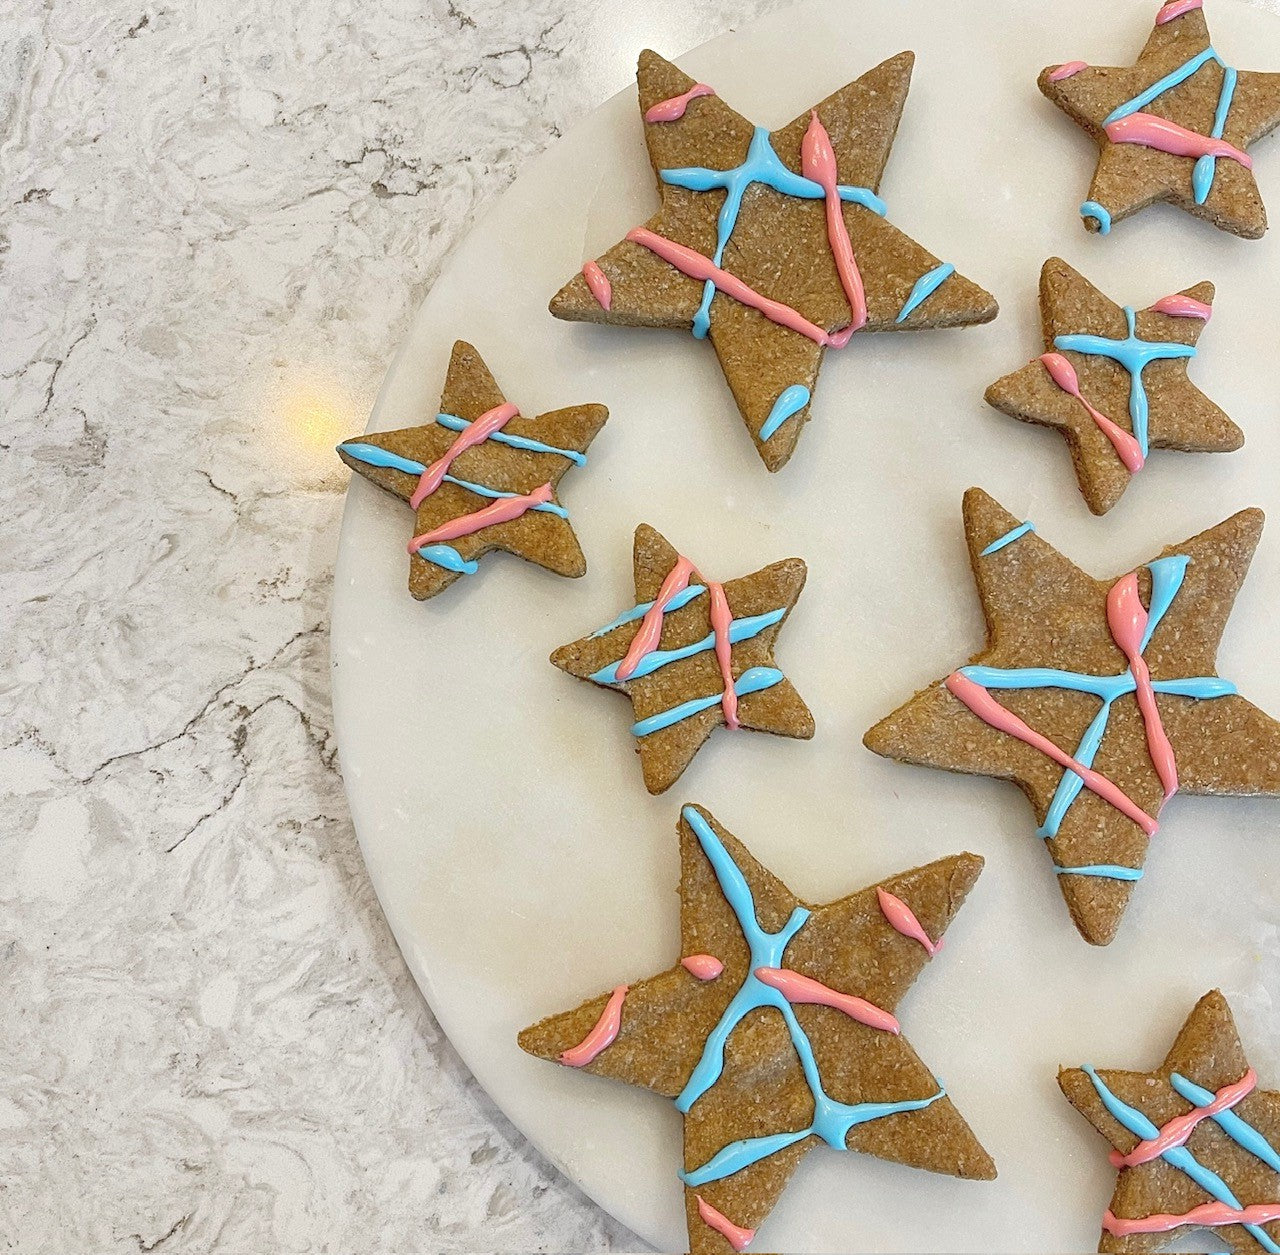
[[776, 1031], [480, 477], [772, 245]]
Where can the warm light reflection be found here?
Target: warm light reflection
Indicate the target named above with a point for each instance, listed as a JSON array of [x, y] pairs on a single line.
[[308, 417]]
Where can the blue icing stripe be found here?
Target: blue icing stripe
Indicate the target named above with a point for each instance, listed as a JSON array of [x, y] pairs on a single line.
[[739, 630], [454, 423], [1206, 166], [372, 455], [1167, 575], [762, 165], [1134, 355], [681, 599], [1091, 209], [753, 680], [925, 287], [790, 402], [1015, 533], [1109, 871], [448, 557], [1160, 86], [1178, 1156], [1238, 1130], [545, 507], [832, 1120]]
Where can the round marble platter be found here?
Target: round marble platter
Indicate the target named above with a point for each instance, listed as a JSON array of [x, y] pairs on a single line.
[[520, 862]]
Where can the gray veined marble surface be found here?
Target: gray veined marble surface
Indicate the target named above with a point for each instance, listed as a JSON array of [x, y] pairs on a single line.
[[215, 222]]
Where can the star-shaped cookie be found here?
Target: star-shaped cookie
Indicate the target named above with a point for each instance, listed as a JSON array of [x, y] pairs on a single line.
[[1097, 698], [773, 244], [1195, 1141], [1114, 381], [776, 1030], [694, 655], [1173, 127], [480, 477]]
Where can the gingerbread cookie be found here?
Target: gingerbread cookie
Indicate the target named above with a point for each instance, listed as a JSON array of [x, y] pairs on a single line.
[[480, 477], [1196, 1141], [776, 1030], [774, 244], [1173, 127], [1098, 698], [1114, 381]]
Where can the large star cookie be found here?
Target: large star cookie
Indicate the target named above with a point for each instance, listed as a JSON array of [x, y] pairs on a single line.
[[1098, 698], [776, 1030], [1195, 1141], [480, 477], [1114, 381], [1173, 127], [773, 244], [694, 655]]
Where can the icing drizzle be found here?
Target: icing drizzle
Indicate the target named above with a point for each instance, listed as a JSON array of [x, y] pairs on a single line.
[[602, 1035], [763, 987], [1132, 627], [1167, 1144], [1014, 533], [673, 108]]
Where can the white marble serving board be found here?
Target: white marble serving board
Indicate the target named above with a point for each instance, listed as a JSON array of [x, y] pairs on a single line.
[[520, 862]]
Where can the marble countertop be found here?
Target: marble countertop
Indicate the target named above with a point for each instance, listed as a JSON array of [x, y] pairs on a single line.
[[218, 220]]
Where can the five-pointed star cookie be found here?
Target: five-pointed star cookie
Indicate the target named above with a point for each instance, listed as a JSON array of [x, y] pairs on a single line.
[[1173, 127], [773, 244], [694, 655], [1114, 381], [776, 1030], [1195, 1141], [480, 477], [1098, 698]]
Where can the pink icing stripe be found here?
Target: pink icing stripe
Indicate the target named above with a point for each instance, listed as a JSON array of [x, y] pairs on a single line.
[[1176, 8], [601, 1036], [1125, 444], [1206, 1215], [721, 618], [1127, 619], [978, 700], [479, 431], [672, 109], [501, 511], [1068, 69], [903, 919], [1176, 1132], [1168, 137], [646, 639], [703, 966], [1179, 306], [735, 1235], [797, 988], [692, 263], [599, 284], [818, 162]]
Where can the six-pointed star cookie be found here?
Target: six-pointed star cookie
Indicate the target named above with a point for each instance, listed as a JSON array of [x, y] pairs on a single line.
[[776, 1030], [775, 245], [480, 477], [694, 655], [1195, 1141], [1114, 381], [1098, 698], [1173, 127]]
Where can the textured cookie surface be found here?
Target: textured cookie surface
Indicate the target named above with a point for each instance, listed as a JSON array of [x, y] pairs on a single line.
[[796, 268], [1098, 698], [1114, 381], [1174, 127], [701, 656], [480, 478], [776, 1030], [1197, 1142]]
